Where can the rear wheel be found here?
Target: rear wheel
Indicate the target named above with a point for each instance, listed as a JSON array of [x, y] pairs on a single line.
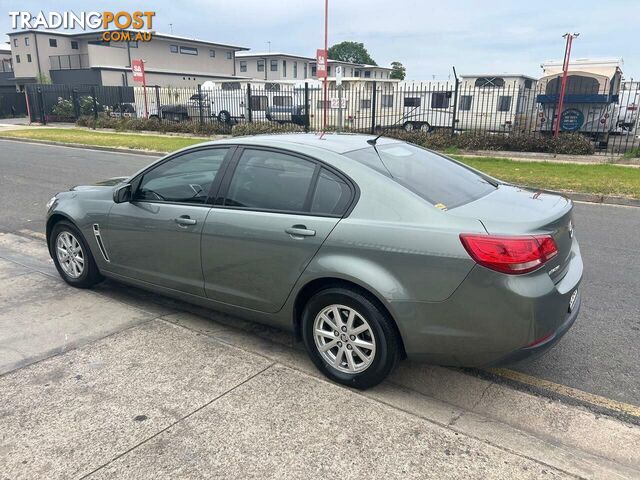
[[408, 127], [72, 257], [224, 117], [349, 338]]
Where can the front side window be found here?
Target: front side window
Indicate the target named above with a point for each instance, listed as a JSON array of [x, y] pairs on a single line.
[[465, 102], [183, 179], [265, 180], [437, 179], [504, 103]]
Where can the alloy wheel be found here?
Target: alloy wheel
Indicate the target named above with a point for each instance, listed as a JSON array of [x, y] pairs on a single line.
[[70, 254], [344, 339]]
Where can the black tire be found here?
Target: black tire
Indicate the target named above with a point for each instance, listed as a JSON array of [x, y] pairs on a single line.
[[224, 117], [90, 275], [387, 341]]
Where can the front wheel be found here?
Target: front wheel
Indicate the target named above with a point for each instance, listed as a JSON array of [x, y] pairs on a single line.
[[72, 257], [224, 117], [349, 338]]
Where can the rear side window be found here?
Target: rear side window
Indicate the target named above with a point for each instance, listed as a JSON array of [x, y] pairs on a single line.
[[440, 181], [332, 195], [266, 180]]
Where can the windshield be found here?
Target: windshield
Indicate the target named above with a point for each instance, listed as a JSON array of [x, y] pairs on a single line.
[[439, 180]]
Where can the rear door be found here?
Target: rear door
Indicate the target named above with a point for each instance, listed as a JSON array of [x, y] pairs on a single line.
[[274, 212]]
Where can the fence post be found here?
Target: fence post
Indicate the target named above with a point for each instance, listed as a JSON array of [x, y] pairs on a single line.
[[454, 118], [200, 112], [43, 117], [249, 109], [74, 100], [95, 105], [306, 107], [120, 104], [157, 88], [373, 109]]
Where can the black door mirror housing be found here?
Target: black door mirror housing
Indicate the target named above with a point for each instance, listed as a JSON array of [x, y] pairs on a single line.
[[122, 194]]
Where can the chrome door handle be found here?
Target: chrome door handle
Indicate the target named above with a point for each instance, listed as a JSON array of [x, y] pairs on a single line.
[[299, 231], [185, 220]]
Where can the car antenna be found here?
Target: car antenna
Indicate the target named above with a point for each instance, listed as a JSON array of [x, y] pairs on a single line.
[[372, 141]]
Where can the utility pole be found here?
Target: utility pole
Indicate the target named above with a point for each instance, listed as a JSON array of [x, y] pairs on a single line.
[[563, 85]]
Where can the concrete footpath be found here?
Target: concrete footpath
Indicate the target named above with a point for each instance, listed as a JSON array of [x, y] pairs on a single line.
[[119, 383]]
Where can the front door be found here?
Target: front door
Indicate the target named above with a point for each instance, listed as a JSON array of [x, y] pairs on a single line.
[[277, 211], [156, 237]]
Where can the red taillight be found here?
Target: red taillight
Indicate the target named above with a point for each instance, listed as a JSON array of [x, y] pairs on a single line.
[[511, 255]]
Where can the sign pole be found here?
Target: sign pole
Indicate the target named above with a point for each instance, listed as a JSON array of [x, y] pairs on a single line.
[[563, 84], [137, 69], [326, 33]]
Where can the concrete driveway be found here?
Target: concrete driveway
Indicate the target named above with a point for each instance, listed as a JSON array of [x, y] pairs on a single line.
[[119, 383]]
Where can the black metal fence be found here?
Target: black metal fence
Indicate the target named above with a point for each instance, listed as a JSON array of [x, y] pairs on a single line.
[[12, 104], [601, 109]]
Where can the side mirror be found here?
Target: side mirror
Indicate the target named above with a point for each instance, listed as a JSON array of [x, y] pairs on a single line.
[[122, 194]]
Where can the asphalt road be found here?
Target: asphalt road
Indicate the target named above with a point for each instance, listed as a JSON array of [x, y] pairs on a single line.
[[599, 355]]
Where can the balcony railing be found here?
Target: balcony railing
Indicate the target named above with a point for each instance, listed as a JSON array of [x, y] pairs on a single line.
[[69, 62], [6, 66]]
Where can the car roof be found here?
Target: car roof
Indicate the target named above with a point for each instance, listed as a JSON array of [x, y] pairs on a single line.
[[335, 142]]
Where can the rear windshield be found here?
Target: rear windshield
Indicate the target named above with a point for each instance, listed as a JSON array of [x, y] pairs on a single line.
[[440, 181]]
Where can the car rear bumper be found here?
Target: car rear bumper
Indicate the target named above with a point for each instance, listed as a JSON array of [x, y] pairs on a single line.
[[492, 318]]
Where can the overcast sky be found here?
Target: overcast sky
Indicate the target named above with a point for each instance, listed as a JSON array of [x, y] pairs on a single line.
[[428, 37]]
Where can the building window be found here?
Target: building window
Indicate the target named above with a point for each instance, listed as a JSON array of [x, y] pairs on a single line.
[[465, 102], [17, 58], [304, 69], [295, 69], [212, 53], [15, 42], [274, 66], [261, 65], [28, 58], [356, 73], [367, 74], [440, 99], [489, 82], [412, 102], [229, 55], [314, 70], [188, 50], [53, 42], [26, 41], [284, 68], [74, 45], [243, 65], [504, 103], [328, 70], [528, 83], [173, 48]]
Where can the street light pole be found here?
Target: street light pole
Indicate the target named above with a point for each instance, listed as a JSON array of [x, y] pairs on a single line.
[[326, 33], [563, 85]]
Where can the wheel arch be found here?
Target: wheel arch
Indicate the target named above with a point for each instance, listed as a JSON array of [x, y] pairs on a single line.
[[316, 285], [51, 221]]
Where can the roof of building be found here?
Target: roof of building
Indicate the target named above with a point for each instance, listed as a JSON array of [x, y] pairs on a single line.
[[358, 65], [154, 33], [492, 75], [251, 54]]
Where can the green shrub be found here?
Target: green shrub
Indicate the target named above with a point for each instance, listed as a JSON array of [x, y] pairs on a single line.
[[566, 143], [153, 125], [633, 153], [264, 128]]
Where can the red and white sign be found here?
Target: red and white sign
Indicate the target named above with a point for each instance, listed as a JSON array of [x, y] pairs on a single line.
[[321, 63], [137, 67]]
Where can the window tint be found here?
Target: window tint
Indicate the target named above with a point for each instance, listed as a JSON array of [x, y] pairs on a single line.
[[332, 194], [437, 179], [186, 178], [270, 181]]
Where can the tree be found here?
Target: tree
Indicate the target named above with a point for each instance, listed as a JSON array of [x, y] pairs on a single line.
[[43, 79], [398, 71], [353, 52]]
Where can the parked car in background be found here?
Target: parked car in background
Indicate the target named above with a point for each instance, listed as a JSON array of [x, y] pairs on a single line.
[[370, 249]]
